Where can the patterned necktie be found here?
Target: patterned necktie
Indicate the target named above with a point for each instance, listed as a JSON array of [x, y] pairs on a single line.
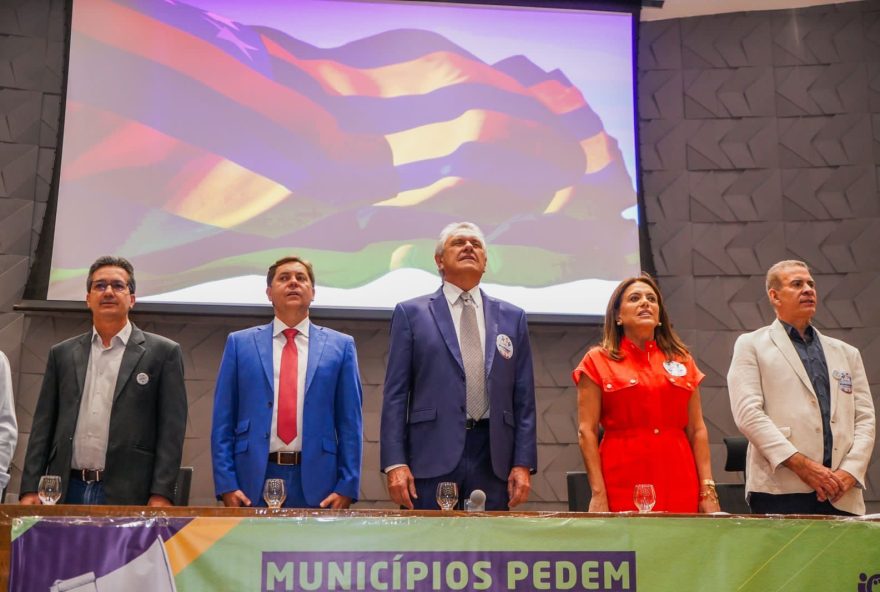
[[472, 356], [287, 389]]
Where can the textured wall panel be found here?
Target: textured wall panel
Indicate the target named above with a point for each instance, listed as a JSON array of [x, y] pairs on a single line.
[[726, 41], [29, 18], [713, 309], [825, 141], [20, 113], [18, 163], [852, 245], [660, 46], [745, 196], [821, 90], [820, 35], [671, 246], [15, 226], [830, 193], [732, 144], [720, 93], [31, 63], [662, 144], [734, 249], [660, 94], [853, 302], [874, 87], [665, 195]]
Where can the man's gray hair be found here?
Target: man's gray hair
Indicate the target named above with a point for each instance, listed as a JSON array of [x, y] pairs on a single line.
[[773, 280], [456, 228]]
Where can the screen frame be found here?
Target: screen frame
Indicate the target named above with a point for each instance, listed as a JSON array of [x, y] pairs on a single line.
[[35, 294]]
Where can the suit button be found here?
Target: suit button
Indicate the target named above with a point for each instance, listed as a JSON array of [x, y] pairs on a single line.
[[269, 403], [267, 435], [608, 386], [632, 380], [656, 430]]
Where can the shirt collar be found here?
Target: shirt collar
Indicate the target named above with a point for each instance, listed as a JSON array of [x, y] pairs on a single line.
[[452, 293], [809, 334], [302, 327], [121, 337], [626, 344]]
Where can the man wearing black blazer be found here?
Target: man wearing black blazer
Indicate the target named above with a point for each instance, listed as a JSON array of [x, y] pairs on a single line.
[[111, 415]]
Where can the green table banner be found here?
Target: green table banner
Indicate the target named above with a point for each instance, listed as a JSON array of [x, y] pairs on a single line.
[[499, 553]]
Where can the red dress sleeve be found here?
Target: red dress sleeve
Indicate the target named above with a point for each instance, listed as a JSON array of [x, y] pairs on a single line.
[[588, 367], [694, 372]]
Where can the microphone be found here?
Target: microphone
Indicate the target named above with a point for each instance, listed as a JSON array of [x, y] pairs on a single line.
[[477, 501]]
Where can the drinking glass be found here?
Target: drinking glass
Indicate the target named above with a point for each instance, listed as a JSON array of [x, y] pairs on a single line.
[[273, 493], [49, 489], [644, 497], [447, 495]]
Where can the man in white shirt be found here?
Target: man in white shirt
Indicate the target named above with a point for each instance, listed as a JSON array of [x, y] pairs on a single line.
[[287, 404], [111, 415]]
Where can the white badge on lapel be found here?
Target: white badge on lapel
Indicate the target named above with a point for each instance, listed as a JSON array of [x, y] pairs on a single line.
[[844, 380], [142, 378], [675, 368], [505, 346]]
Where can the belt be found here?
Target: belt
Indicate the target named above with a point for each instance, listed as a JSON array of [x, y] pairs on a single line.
[[285, 458], [471, 423], [87, 475]]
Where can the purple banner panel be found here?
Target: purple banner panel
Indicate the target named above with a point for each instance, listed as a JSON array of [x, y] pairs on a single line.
[[430, 571], [60, 551]]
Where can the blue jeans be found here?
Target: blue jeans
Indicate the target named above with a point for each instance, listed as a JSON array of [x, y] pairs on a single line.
[[90, 493]]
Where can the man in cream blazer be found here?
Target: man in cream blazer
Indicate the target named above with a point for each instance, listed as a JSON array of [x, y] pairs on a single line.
[[803, 401]]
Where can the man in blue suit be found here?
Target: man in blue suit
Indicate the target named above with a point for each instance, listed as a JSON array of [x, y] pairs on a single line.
[[459, 397], [288, 404]]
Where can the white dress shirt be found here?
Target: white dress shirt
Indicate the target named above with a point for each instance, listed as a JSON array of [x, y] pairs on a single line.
[[93, 425], [452, 294], [302, 352], [8, 425]]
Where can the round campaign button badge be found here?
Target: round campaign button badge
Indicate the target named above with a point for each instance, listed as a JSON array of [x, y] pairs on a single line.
[[505, 346], [142, 378], [675, 368]]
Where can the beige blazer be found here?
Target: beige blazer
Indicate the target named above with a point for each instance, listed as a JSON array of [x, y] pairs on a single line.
[[775, 407]]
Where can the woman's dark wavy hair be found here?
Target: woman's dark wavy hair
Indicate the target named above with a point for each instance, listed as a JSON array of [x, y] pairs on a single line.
[[667, 339]]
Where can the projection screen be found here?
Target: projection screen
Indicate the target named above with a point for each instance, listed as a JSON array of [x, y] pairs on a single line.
[[203, 139]]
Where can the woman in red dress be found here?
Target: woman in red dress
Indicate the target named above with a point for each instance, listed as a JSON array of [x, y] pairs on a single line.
[[642, 385]]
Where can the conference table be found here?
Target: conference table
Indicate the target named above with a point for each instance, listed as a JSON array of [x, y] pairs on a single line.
[[100, 548]]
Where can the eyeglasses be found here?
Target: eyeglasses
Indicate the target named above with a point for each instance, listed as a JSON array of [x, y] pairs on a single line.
[[117, 286]]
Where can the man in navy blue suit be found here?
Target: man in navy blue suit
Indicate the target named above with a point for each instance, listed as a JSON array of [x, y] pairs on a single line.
[[288, 404], [459, 397]]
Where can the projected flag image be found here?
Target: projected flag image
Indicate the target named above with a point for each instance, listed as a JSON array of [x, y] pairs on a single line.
[[204, 140]]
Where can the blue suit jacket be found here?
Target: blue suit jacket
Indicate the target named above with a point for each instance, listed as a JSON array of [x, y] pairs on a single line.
[[424, 409], [332, 420]]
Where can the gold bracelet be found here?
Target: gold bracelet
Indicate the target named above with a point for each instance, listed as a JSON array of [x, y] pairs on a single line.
[[711, 493]]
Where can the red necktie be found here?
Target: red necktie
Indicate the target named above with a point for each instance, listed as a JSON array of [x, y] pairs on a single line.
[[287, 389]]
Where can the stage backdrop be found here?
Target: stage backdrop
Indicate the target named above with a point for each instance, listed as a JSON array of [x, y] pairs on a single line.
[[774, 84]]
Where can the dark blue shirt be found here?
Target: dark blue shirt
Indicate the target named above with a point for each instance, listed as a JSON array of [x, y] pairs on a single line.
[[813, 357]]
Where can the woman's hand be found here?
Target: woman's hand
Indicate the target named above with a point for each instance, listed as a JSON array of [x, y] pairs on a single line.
[[599, 503], [709, 505]]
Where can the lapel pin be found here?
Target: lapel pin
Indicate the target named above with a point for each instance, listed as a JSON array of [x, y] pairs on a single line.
[[142, 378], [505, 346]]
